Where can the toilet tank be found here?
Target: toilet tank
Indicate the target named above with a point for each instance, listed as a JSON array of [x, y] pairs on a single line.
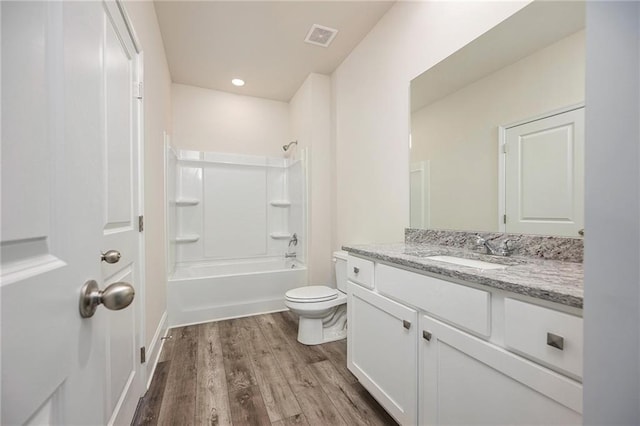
[[340, 263]]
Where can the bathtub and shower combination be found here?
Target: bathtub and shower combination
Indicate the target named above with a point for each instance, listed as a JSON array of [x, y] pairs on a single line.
[[230, 221]]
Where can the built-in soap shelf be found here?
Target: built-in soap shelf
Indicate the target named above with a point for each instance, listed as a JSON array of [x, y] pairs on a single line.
[[187, 238], [280, 235], [182, 202], [280, 203]]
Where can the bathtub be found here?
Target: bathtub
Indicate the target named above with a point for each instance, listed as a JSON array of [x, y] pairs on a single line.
[[202, 292]]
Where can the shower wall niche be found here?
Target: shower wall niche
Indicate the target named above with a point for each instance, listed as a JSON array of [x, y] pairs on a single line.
[[228, 206]]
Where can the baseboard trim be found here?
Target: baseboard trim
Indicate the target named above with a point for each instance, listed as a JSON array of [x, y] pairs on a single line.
[[153, 351]]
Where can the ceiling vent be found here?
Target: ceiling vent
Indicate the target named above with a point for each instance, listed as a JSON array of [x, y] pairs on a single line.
[[320, 35]]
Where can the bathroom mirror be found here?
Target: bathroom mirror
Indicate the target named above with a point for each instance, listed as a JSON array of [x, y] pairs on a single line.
[[518, 88]]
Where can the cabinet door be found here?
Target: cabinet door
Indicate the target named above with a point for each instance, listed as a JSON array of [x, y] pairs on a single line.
[[382, 350], [465, 380]]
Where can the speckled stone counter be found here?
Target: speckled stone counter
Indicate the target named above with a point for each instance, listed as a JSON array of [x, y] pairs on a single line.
[[551, 280]]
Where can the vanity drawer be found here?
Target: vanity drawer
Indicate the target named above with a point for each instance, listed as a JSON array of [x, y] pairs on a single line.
[[546, 335], [360, 271], [460, 305]]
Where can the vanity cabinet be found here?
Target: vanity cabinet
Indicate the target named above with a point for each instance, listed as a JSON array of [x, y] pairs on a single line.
[[466, 380], [434, 351], [382, 350]]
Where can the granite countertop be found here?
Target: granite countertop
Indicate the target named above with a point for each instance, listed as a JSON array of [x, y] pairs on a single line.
[[552, 280]]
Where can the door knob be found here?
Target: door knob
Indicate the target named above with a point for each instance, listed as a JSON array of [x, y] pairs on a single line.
[[115, 297], [111, 256]]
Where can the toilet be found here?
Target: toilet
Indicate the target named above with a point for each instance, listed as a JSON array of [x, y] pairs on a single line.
[[322, 310]]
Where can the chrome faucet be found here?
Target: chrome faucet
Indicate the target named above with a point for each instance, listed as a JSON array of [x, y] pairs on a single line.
[[503, 250], [294, 241]]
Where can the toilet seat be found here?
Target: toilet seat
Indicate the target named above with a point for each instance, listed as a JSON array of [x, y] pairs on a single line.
[[311, 294]]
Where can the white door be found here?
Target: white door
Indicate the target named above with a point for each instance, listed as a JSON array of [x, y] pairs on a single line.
[[544, 163], [69, 192], [120, 213]]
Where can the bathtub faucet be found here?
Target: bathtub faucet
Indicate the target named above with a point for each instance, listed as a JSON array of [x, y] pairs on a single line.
[[293, 240], [290, 255]]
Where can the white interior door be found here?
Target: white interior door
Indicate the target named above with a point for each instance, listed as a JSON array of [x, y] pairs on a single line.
[[544, 175], [120, 213], [67, 130]]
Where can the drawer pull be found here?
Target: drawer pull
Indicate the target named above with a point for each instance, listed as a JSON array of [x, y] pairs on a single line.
[[356, 269], [426, 335], [406, 324], [555, 341]]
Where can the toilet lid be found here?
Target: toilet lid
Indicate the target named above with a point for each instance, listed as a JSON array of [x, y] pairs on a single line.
[[311, 293]]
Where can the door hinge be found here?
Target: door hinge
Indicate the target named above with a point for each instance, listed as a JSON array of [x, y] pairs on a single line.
[[137, 90], [140, 223], [504, 219], [143, 355], [504, 148]]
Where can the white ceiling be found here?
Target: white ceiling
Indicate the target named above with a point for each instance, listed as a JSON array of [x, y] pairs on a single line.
[[262, 42]]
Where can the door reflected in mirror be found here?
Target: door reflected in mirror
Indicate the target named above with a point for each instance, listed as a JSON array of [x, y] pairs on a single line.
[[497, 129]]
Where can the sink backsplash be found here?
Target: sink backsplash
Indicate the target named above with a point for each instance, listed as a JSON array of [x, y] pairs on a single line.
[[537, 246]]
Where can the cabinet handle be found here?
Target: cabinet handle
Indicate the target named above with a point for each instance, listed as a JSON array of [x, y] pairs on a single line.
[[356, 269], [555, 341], [426, 335], [406, 324]]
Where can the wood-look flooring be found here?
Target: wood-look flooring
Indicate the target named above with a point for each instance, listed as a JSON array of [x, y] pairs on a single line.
[[253, 371]]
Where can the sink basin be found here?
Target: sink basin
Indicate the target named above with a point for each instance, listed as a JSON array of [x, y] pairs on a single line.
[[467, 262]]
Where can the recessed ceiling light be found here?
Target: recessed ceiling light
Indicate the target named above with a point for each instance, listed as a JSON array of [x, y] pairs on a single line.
[[237, 82]]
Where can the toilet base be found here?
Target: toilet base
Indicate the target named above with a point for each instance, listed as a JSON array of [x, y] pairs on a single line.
[[315, 331]]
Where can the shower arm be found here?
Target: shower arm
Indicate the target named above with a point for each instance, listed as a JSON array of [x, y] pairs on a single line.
[[286, 147]]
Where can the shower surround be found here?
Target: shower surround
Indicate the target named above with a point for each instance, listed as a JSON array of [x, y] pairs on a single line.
[[231, 219]]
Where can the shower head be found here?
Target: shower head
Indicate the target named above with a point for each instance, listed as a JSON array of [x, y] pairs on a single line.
[[287, 146]]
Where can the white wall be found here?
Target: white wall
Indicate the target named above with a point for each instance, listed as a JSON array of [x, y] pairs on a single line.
[[459, 133], [310, 112], [210, 120], [371, 117], [157, 119], [612, 240]]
